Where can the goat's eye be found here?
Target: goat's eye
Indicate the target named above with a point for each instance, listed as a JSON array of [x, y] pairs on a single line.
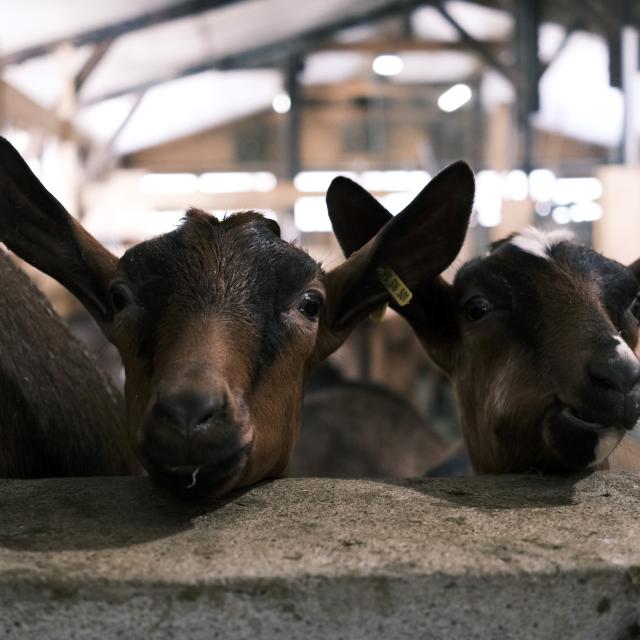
[[476, 308], [120, 296], [635, 308], [310, 304]]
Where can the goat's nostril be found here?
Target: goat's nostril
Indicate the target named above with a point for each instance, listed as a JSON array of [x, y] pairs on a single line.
[[614, 372], [602, 380], [187, 409]]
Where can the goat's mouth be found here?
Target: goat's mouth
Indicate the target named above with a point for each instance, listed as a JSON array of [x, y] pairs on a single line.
[[201, 478], [574, 417], [578, 441], [622, 415]]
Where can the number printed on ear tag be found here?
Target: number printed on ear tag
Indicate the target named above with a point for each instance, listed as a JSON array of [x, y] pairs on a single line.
[[397, 289]]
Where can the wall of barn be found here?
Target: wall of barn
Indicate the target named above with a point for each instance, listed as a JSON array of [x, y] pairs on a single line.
[[337, 138]]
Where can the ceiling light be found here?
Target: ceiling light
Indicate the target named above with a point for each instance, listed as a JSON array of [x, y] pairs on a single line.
[[541, 183], [310, 214], [561, 215], [488, 201], [388, 65], [567, 190], [586, 211], [516, 185], [394, 180], [454, 97], [237, 182], [168, 183], [318, 181], [281, 103]]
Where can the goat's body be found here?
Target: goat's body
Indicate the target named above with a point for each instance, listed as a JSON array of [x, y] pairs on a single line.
[[538, 336], [352, 430], [59, 416], [219, 322]]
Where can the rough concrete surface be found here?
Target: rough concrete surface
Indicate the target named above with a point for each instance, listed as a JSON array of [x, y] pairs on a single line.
[[486, 557]]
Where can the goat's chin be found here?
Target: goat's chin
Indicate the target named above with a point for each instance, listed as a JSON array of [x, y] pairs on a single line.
[[201, 481], [575, 443]]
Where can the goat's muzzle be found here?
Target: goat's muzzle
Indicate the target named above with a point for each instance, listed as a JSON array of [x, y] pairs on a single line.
[[586, 428], [194, 440]]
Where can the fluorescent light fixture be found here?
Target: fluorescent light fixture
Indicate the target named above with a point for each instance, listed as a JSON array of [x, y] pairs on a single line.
[[310, 214], [394, 180], [388, 64], [281, 103], [488, 198], [516, 185], [568, 190], [454, 98], [318, 181], [396, 202], [168, 183], [543, 209], [561, 215], [586, 212], [541, 183], [237, 182], [223, 182]]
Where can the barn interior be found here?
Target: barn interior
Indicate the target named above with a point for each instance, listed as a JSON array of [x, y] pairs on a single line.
[[132, 112]]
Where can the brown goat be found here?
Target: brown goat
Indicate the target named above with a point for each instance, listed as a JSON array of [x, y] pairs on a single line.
[[218, 323], [537, 338], [356, 429], [59, 416]]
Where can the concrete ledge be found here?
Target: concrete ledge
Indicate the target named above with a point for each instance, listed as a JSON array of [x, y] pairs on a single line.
[[488, 557]]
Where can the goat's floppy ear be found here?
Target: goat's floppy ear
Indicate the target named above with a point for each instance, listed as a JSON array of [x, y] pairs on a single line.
[[413, 248], [356, 216], [38, 229], [401, 254]]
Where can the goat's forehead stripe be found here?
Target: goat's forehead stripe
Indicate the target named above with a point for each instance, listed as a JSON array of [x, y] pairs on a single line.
[[539, 243]]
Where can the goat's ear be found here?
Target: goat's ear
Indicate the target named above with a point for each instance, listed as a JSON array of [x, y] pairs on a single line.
[[414, 247], [38, 229], [356, 216]]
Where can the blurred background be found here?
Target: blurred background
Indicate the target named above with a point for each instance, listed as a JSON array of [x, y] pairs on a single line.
[[132, 111]]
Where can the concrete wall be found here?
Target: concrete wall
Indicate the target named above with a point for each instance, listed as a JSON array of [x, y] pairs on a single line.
[[488, 557]]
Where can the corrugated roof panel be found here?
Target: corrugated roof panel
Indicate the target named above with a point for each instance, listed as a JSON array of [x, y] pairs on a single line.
[[164, 50], [197, 103], [43, 78], [31, 22]]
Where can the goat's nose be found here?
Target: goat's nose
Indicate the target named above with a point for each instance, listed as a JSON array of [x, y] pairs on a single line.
[[616, 369], [186, 410]]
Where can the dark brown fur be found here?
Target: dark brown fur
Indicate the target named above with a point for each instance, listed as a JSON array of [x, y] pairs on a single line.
[[59, 416], [211, 324], [519, 370], [356, 430], [546, 379]]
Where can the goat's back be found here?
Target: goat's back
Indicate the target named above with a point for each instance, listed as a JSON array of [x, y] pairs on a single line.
[[59, 415], [352, 429]]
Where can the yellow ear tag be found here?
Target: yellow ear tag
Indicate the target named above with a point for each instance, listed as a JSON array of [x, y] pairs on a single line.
[[378, 314], [397, 289]]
